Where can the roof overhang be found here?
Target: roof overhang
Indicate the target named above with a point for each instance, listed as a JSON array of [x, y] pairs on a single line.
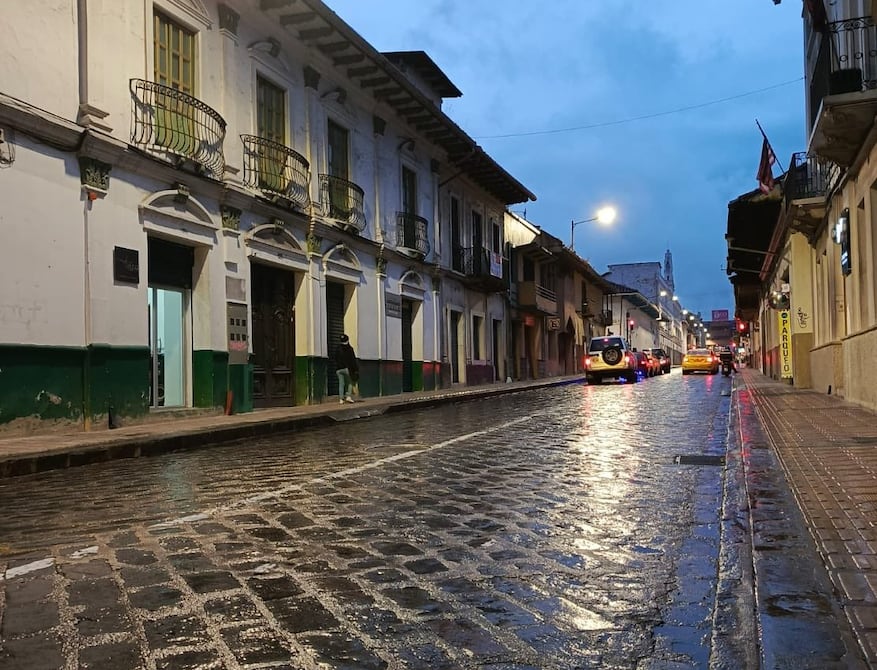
[[752, 219], [426, 69], [638, 300], [322, 30]]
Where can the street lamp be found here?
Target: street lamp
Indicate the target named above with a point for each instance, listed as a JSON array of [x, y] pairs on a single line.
[[605, 215]]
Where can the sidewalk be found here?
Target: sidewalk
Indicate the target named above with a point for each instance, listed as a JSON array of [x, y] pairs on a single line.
[[827, 450], [22, 455]]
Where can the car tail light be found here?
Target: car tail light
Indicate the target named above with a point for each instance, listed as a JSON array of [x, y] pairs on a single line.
[[587, 361]]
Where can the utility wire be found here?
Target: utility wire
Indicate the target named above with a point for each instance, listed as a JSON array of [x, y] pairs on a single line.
[[618, 122]]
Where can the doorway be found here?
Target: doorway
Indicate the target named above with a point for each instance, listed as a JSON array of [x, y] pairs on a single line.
[[273, 297], [168, 346], [168, 304], [335, 303], [454, 353], [407, 345], [497, 350]]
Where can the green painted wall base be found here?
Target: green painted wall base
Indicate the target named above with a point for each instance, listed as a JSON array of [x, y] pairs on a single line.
[[84, 385], [72, 383], [240, 383], [209, 378], [376, 378]]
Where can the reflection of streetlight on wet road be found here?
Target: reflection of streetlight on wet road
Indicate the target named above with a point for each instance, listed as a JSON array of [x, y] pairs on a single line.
[[605, 215]]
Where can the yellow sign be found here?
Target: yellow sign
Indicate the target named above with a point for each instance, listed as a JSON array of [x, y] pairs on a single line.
[[785, 330]]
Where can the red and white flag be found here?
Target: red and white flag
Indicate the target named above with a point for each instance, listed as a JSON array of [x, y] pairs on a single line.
[[765, 167]]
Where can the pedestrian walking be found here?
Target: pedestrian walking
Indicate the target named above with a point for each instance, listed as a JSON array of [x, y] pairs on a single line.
[[347, 370]]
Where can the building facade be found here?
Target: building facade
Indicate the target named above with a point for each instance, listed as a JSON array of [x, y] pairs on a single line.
[[803, 256], [202, 201]]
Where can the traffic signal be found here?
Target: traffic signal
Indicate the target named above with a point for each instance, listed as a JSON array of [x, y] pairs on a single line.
[[630, 324], [742, 327]]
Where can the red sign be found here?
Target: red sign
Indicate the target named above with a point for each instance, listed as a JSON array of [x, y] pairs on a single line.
[[529, 320]]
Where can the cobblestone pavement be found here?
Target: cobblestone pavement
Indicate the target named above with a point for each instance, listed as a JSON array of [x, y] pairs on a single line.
[[826, 448], [571, 527]]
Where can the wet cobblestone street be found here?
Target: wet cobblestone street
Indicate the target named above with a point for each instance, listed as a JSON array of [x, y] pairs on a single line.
[[570, 527]]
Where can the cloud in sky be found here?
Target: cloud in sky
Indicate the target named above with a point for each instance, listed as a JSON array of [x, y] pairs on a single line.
[[531, 67]]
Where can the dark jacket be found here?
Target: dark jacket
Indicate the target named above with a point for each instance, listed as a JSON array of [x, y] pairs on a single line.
[[345, 357]]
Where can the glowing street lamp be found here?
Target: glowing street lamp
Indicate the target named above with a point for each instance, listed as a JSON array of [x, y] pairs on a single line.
[[605, 215]]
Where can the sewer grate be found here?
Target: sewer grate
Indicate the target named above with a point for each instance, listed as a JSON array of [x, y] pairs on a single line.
[[698, 459]]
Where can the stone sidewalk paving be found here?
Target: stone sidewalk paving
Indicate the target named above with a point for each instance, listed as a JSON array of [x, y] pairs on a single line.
[[827, 448]]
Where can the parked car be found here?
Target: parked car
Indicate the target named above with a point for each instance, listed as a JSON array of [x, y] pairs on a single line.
[[700, 360], [654, 365], [664, 362], [645, 364], [609, 357]]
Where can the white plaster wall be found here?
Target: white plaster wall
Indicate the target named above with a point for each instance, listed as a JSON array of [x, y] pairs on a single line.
[[38, 50], [42, 253]]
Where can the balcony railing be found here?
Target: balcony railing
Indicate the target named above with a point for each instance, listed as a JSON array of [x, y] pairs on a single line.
[[846, 62], [342, 200], [477, 262], [531, 294], [174, 123], [810, 177], [412, 233], [276, 169]]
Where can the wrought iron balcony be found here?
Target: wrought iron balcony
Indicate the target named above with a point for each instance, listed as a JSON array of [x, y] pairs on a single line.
[[276, 169], [809, 177], [174, 123], [412, 234], [535, 296], [846, 61], [342, 200], [480, 267]]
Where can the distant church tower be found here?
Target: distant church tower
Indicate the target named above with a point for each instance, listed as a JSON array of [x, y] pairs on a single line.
[[668, 270]]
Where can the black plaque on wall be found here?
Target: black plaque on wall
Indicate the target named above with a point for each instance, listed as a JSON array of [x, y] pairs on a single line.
[[126, 265]]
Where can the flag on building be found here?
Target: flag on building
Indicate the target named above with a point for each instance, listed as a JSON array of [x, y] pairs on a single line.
[[765, 167]]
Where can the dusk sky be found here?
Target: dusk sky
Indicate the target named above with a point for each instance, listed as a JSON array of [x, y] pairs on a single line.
[[556, 93]]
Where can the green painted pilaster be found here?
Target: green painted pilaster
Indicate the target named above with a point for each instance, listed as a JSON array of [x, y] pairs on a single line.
[[240, 383], [391, 377], [417, 375], [116, 377], [209, 378], [310, 380]]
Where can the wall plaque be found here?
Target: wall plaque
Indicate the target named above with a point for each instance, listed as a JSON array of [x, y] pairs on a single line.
[[126, 265], [394, 305]]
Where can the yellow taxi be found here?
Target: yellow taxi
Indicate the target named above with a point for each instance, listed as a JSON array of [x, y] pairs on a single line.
[[700, 360]]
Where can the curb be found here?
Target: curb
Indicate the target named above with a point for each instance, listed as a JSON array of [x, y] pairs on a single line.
[[18, 465]]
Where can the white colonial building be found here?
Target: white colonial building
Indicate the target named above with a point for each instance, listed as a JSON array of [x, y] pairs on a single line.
[[200, 197]]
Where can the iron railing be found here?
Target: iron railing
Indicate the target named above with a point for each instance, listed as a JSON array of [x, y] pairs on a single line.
[[174, 123], [477, 262], [412, 232], [810, 177], [342, 200], [846, 61], [276, 169]]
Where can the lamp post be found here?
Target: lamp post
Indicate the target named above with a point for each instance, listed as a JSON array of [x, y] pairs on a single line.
[[605, 215]]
